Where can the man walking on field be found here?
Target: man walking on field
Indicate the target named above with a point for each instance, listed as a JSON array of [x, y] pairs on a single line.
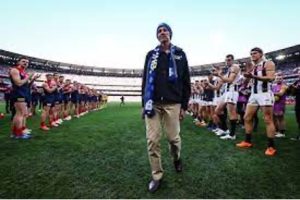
[[166, 92]]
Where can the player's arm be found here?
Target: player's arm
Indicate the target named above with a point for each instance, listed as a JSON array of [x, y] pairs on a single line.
[[294, 85], [15, 75], [34, 78], [198, 90], [47, 88], [54, 88], [3, 89], [211, 86], [201, 90], [215, 87], [270, 73], [282, 91], [233, 73], [67, 90], [60, 87], [70, 89]]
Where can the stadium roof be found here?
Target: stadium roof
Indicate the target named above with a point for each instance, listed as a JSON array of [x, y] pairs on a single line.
[[48, 65]]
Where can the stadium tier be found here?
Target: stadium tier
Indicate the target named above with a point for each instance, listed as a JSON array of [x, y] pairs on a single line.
[[127, 82]]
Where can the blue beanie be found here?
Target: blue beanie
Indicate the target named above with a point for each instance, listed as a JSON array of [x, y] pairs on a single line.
[[167, 27]]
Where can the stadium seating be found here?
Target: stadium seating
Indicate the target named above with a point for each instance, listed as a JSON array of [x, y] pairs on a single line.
[[127, 82]]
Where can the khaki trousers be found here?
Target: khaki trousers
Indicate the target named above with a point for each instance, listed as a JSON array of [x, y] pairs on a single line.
[[166, 115]]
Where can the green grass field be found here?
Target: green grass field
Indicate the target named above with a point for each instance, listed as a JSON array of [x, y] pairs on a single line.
[[103, 155]]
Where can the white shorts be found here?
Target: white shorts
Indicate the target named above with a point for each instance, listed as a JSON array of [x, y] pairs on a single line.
[[195, 101], [202, 102], [205, 103], [229, 97], [208, 103], [261, 99], [216, 101], [199, 101], [191, 101]]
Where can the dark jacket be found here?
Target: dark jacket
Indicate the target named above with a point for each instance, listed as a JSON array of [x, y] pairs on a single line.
[[295, 90], [165, 91]]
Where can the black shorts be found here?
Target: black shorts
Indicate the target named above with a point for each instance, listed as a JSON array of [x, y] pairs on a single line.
[[80, 98], [57, 98], [34, 100], [75, 100], [42, 99], [66, 98], [49, 101], [7, 96], [20, 99], [61, 97], [241, 107]]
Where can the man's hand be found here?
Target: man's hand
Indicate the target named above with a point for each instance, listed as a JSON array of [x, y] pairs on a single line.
[[36, 76], [181, 114], [30, 76], [61, 86], [248, 75], [215, 72], [243, 92]]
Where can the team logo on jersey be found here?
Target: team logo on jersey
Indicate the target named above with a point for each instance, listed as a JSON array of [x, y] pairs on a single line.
[[171, 71], [177, 57]]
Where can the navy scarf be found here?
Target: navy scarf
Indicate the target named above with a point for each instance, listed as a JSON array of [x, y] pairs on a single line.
[[151, 75]]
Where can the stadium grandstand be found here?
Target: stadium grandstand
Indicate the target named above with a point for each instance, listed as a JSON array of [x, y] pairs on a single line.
[[127, 82]]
